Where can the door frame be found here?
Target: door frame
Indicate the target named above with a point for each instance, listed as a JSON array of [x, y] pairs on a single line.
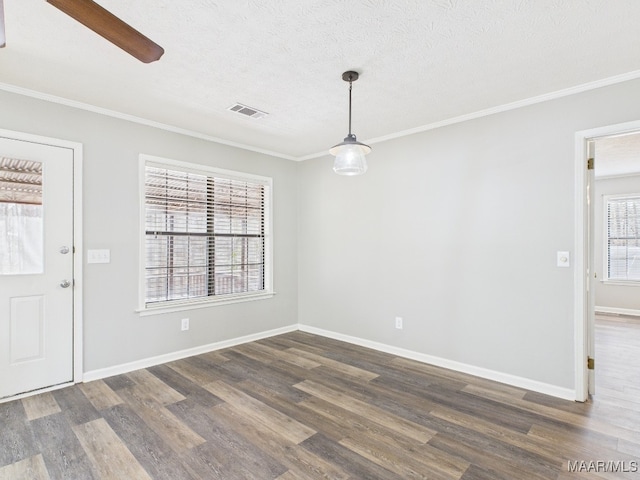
[[78, 346], [581, 308]]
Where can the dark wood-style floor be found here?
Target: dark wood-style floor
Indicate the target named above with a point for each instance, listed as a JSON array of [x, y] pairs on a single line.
[[300, 406]]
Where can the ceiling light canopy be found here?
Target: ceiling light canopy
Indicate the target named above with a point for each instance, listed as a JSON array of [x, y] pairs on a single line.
[[350, 154]]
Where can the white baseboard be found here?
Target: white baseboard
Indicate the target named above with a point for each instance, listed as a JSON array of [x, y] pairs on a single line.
[[618, 311], [521, 382], [170, 357], [501, 377]]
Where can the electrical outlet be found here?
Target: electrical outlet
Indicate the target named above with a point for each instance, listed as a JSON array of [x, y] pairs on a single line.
[[184, 324], [399, 323]]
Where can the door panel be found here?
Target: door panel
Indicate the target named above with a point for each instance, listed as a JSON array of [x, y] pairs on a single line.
[[36, 309], [27, 329]]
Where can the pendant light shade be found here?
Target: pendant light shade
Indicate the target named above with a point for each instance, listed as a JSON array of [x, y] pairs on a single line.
[[350, 158], [350, 154]]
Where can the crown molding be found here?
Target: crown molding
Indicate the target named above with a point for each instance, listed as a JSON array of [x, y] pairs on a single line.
[[132, 118], [404, 133], [605, 82]]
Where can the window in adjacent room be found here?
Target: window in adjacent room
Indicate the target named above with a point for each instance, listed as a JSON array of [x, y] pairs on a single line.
[[206, 234], [623, 237]]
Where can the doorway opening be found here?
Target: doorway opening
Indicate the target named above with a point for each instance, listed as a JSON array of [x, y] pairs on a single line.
[[607, 276]]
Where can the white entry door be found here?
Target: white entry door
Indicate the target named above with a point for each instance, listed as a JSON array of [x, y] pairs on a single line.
[[36, 266]]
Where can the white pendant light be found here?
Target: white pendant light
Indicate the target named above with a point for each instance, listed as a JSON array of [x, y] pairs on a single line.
[[350, 154]]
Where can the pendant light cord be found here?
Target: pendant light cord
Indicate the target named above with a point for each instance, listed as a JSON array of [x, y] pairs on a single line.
[[350, 85]]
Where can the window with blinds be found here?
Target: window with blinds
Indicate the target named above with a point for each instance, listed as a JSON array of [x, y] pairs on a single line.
[[204, 235], [623, 238]]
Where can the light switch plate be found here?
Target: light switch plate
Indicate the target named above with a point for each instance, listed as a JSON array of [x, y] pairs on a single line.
[[564, 260], [98, 256]]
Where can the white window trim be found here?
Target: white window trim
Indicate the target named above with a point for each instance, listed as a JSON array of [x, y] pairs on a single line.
[[626, 283], [605, 242], [190, 304]]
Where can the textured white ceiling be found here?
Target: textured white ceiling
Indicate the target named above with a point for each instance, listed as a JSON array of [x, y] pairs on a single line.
[[421, 61]]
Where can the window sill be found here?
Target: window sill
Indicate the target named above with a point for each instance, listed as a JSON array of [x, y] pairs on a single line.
[[627, 283], [180, 306]]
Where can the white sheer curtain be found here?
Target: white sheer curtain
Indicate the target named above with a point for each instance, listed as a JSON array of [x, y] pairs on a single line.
[[21, 239]]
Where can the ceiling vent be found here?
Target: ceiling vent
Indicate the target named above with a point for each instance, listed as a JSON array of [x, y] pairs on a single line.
[[247, 111]]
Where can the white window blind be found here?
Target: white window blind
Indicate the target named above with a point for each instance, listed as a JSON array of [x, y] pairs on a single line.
[[623, 238], [204, 235]]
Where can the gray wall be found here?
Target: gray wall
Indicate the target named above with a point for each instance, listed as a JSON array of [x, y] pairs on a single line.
[[611, 295], [113, 333], [456, 230]]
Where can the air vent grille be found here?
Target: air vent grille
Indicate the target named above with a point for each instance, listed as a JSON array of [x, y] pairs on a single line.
[[247, 111]]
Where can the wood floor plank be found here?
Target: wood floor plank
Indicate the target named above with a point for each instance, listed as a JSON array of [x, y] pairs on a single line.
[[339, 367], [117, 382], [153, 390], [17, 439], [407, 466], [161, 420], [110, 458], [216, 357], [289, 475], [497, 432], [374, 441], [492, 456], [281, 424], [275, 385], [279, 371], [390, 397], [358, 466], [200, 371], [592, 444], [150, 449], [75, 405], [264, 352], [227, 454], [332, 427], [629, 448], [338, 423], [383, 417], [32, 468], [40, 405], [63, 455], [475, 472], [414, 398], [218, 461], [184, 386], [100, 394], [441, 375], [297, 459], [291, 340], [563, 416]]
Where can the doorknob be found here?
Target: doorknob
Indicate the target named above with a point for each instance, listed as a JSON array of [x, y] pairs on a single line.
[[65, 284], [64, 250]]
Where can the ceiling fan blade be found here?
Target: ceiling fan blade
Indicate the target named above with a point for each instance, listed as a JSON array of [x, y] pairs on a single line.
[[106, 24], [3, 39]]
